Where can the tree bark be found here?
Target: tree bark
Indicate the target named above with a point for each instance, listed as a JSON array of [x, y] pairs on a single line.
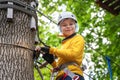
[[16, 63]]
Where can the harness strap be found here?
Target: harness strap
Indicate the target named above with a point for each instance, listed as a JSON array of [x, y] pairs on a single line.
[[66, 70], [65, 75], [71, 74]]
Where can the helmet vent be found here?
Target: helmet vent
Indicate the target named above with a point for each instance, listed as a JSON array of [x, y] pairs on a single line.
[[72, 15]]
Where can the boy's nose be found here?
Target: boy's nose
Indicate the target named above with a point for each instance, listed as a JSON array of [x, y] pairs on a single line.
[[68, 26]]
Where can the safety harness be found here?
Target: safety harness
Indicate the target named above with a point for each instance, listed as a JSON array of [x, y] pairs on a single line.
[[67, 72]]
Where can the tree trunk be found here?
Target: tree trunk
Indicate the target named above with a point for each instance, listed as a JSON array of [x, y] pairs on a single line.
[[16, 63]]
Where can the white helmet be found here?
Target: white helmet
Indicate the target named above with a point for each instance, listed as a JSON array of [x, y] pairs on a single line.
[[65, 15]]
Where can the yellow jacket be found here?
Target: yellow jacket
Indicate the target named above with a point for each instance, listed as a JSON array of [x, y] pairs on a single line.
[[71, 51]]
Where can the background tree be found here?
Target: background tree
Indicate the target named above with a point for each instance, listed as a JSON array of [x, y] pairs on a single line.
[[16, 63], [100, 29]]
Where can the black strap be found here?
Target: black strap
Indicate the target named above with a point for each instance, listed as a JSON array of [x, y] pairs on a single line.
[[17, 46], [19, 5], [69, 37]]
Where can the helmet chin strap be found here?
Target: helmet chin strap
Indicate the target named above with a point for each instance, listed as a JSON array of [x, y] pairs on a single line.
[[76, 27]]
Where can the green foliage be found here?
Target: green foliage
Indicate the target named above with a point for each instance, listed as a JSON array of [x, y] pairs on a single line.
[[100, 29]]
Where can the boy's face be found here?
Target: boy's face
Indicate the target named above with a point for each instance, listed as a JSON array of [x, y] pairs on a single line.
[[67, 27]]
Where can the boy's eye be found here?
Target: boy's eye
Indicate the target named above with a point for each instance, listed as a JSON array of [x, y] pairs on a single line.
[[65, 25], [71, 24]]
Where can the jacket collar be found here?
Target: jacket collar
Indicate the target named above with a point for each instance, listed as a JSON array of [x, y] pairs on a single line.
[[69, 37]]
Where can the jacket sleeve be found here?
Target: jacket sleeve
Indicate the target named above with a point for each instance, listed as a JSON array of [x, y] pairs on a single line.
[[75, 50]]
